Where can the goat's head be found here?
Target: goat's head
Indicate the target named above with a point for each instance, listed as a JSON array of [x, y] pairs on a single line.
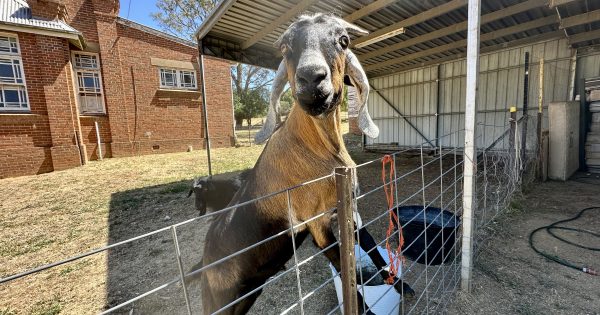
[[316, 58], [200, 189]]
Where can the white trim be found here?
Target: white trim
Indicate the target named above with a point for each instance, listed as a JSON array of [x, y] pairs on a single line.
[[23, 85], [177, 79], [76, 87], [34, 30]]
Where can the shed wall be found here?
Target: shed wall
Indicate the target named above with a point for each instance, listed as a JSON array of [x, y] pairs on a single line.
[[432, 98]]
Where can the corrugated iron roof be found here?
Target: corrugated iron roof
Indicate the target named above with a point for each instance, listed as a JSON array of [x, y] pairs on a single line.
[[234, 23], [18, 13]]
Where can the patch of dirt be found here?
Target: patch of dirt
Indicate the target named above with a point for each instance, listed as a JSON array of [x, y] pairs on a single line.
[[510, 278]]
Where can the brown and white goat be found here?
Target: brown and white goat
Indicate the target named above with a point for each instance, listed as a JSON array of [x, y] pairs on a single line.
[[308, 145]]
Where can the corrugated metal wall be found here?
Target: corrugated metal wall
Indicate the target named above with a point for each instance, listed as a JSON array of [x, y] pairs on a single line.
[[588, 66], [432, 99]]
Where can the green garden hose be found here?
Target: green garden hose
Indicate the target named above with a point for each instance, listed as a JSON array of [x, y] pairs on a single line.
[[554, 226]]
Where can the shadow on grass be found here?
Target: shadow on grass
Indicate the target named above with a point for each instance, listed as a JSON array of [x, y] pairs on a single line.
[[145, 264]]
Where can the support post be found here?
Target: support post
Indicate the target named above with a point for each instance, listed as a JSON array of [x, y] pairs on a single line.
[[344, 182], [540, 117], [525, 109], [582, 125], [438, 108], [470, 158], [513, 131], [98, 141], [204, 106]]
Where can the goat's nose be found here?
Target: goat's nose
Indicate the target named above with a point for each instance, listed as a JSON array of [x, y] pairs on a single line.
[[311, 74]]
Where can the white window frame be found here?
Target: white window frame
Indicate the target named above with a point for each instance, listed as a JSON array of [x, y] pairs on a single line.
[[79, 90], [178, 83], [22, 87]]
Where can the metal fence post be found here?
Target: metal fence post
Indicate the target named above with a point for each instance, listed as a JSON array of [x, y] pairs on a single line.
[[470, 156], [513, 130], [525, 108], [344, 182]]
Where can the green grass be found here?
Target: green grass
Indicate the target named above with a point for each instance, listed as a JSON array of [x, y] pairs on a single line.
[[47, 307]]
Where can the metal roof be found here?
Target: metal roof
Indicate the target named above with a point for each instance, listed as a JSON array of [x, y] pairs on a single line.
[[435, 30], [155, 32], [18, 13]]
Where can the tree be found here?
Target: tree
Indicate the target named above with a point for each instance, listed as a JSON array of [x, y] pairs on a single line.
[[182, 18], [250, 104], [250, 86]]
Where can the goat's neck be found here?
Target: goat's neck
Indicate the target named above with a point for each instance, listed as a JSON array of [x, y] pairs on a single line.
[[321, 136]]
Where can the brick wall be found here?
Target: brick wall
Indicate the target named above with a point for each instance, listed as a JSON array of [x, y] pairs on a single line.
[[160, 121], [353, 124], [140, 118], [43, 139]]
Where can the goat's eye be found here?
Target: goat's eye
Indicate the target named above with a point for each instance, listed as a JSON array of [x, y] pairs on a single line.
[[344, 41]]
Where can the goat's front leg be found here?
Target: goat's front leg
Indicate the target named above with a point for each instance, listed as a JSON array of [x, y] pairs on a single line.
[[368, 244], [323, 237]]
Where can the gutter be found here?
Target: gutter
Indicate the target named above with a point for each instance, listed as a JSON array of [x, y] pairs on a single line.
[[76, 38], [212, 19]]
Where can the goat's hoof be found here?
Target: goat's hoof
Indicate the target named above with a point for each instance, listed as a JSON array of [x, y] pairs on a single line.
[[409, 293], [405, 290]]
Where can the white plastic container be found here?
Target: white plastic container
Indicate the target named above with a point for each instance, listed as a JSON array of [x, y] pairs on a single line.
[[390, 299]]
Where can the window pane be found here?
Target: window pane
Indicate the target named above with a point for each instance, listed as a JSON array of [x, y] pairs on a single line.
[[168, 78], [187, 79], [8, 45], [6, 72], [88, 82], [13, 97], [85, 61]]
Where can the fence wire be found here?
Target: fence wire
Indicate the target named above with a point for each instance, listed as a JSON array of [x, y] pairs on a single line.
[[427, 198]]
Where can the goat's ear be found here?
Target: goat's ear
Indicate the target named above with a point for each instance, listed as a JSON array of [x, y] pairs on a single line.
[[360, 82], [351, 27], [272, 116]]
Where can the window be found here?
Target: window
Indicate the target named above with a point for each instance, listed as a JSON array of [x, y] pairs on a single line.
[[13, 90], [89, 83], [177, 79]]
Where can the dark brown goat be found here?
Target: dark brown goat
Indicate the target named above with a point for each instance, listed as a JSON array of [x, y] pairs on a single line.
[[308, 145]]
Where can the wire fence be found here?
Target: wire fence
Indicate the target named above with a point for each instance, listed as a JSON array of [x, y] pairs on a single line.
[[426, 197]]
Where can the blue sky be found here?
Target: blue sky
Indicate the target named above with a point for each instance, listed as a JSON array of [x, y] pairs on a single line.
[[139, 11]]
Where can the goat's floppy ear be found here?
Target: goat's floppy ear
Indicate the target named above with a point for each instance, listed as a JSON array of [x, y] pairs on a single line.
[[351, 27], [360, 82], [278, 85]]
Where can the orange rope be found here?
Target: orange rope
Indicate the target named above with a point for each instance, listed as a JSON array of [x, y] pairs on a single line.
[[388, 188]]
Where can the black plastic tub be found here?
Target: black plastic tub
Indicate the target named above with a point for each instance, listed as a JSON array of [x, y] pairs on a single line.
[[440, 234]]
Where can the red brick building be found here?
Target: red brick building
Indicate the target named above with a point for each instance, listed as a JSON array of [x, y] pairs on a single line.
[[66, 65]]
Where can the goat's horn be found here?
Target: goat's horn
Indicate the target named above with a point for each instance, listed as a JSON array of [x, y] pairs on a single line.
[[272, 116], [359, 79]]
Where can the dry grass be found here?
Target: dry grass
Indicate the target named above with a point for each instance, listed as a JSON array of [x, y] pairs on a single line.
[[49, 217], [53, 216]]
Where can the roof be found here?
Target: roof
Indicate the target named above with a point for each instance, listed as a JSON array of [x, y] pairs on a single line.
[[422, 32], [155, 32], [16, 15]]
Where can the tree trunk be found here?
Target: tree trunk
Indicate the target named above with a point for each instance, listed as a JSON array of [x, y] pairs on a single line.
[[238, 122]]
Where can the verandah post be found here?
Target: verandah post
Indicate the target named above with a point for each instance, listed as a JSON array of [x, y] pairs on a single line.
[[470, 158]]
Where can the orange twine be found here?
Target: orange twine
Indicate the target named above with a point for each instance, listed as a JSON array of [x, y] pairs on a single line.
[[388, 188]]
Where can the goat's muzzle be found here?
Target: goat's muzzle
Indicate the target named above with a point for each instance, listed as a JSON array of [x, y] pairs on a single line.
[[314, 90]]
